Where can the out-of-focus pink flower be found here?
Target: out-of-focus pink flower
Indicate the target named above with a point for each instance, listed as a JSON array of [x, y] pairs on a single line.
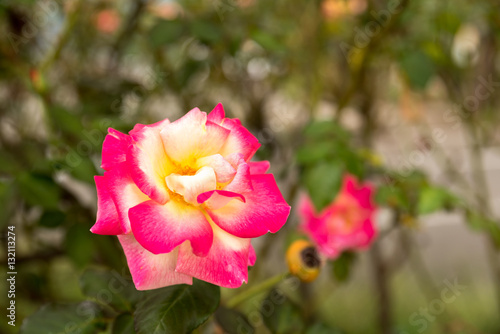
[[165, 10], [107, 21], [185, 199], [333, 9], [347, 223]]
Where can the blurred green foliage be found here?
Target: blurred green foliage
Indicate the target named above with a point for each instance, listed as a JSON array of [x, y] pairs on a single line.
[[71, 69]]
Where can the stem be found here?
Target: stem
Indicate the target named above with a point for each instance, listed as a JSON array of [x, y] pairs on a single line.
[[253, 291], [382, 287], [484, 206], [63, 38]]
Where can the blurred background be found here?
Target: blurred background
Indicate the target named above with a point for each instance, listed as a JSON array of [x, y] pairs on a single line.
[[398, 92]]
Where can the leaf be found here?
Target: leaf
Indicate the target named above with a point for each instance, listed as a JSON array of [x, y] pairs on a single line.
[[281, 315], [391, 196], [166, 32], [313, 153], [123, 324], [68, 122], [176, 309], [320, 328], [483, 224], [432, 199], [52, 218], [323, 182], [79, 244], [232, 321], [109, 288], [38, 190], [342, 266], [80, 318], [418, 67], [206, 31]]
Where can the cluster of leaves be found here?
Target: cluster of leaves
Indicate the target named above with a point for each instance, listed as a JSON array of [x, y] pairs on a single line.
[[116, 307]]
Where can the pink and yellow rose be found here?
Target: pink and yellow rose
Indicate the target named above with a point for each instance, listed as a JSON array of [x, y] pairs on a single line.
[[185, 200], [346, 224]]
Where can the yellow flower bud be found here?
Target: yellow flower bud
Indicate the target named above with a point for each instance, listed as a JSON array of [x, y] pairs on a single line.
[[303, 260]]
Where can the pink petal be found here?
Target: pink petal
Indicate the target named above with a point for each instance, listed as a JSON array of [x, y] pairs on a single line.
[[108, 222], [114, 148], [225, 265], [259, 167], [190, 186], [192, 137], [150, 271], [148, 162], [223, 169], [265, 210], [217, 115], [361, 192], [252, 257], [161, 228], [124, 192], [241, 182], [216, 199], [240, 140]]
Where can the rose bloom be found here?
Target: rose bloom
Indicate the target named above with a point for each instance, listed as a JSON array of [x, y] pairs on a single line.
[[107, 21], [346, 224], [185, 199]]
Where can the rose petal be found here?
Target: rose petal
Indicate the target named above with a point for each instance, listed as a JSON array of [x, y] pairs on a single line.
[[148, 162], [150, 271], [223, 169], [226, 264], [241, 182], [259, 167], [216, 199], [217, 115], [108, 222], [190, 186], [161, 228], [124, 192], [265, 210], [240, 140], [114, 149], [192, 137]]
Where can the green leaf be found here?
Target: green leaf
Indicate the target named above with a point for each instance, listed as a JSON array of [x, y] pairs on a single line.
[[123, 324], [418, 67], [320, 328], [483, 224], [166, 32], [342, 266], [176, 309], [313, 153], [206, 31], [281, 315], [83, 318], [52, 218], [84, 170], [432, 199], [109, 288], [79, 244], [319, 130], [232, 321], [323, 182], [68, 122], [38, 190], [391, 196]]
